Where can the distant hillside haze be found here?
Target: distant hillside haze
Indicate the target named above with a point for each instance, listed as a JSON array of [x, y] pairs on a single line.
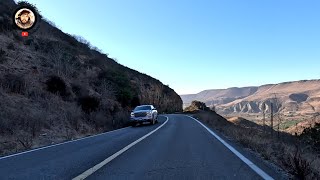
[[301, 97], [218, 96]]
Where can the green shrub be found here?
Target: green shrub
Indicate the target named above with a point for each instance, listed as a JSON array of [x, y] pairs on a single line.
[[125, 93], [124, 96], [116, 77]]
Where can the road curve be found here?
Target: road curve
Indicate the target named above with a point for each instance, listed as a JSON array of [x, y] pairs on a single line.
[[180, 149]]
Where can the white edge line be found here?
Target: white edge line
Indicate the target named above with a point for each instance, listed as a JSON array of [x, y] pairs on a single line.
[[53, 145], [237, 153], [106, 161]]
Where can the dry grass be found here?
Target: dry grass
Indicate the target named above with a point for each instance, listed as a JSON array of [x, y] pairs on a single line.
[[286, 151], [24, 120], [51, 91]]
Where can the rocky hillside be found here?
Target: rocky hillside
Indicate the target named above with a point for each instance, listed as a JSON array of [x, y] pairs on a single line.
[[218, 96], [299, 97], [54, 86], [196, 106]]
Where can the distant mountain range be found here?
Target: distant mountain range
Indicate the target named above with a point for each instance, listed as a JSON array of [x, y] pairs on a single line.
[[297, 97]]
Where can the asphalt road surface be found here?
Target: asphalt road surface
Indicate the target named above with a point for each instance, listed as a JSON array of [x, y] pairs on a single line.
[[178, 147]]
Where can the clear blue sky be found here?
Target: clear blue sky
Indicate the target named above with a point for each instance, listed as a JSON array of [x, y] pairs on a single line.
[[196, 45]]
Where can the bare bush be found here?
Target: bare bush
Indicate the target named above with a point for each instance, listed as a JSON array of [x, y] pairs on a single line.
[[10, 46], [51, 23], [311, 136], [5, 24], [3, 57], [278, 151], [89, 103], [13, 83], [2, 53], [73, 115], [62, 59], [86, 43], [82, 40], [69, 134], [106, 89], [5, 124], [28, 42], [25, 140], [121, 119], [297, 165], [101, 120], [37, 93], [34, 126], [79, 90]]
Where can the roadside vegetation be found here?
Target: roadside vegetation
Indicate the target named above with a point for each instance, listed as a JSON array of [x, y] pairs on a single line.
[[56, 87], [298, 155]]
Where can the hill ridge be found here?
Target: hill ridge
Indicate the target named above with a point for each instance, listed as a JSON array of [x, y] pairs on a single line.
[[249, 100]]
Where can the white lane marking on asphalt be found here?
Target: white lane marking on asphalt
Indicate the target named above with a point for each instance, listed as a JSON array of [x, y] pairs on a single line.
[[237, 153], [106, 161], [45, 147]]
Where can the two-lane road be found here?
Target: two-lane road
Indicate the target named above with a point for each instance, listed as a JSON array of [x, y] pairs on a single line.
[[176, 148]]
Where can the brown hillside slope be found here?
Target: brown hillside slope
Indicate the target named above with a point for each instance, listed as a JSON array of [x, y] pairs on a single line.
[[55, 87], [218, 96], [300, 97]]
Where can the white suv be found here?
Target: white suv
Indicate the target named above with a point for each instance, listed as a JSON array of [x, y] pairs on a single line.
[[144, 113]]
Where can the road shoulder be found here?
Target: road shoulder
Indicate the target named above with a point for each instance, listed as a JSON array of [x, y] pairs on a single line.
[[267, 166]]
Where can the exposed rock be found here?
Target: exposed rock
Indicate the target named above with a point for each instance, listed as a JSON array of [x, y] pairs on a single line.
[[302, 97]]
